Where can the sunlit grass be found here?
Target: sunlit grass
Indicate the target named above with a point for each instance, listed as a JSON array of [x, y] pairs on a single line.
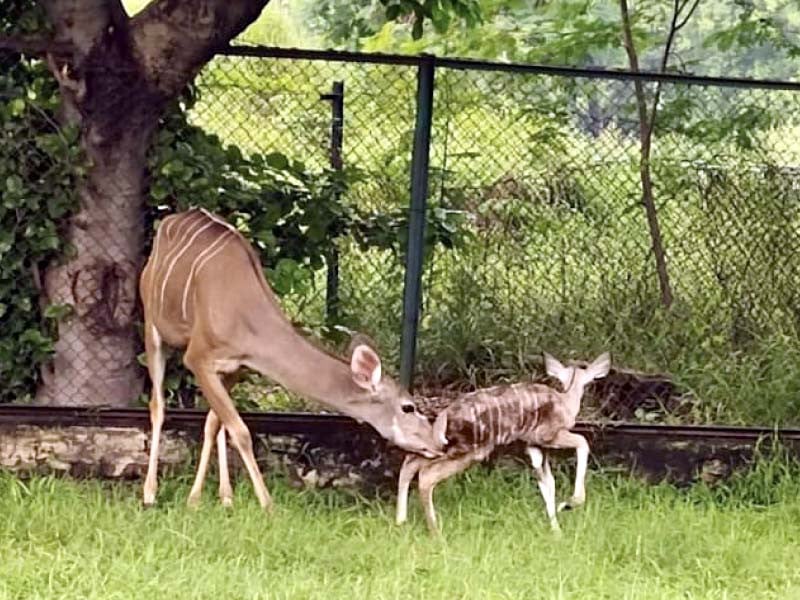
[[67, 539]]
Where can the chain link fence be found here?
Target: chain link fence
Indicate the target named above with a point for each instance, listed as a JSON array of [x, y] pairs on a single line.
[[538, 235], [538, 177], [559, 255], [287, 106]]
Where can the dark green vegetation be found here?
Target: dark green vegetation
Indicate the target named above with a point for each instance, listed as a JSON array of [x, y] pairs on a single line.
[[537, 236]]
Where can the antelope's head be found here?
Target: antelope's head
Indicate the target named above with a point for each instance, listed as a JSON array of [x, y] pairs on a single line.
[[388, 407]]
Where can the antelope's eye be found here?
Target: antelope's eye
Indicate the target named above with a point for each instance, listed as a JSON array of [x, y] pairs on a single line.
[[408, 408]]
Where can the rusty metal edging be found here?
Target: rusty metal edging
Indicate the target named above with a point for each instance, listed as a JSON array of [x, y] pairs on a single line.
[[179, 419], [285, 423]]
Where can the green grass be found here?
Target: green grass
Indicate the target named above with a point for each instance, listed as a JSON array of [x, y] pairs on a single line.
[[67, 539]]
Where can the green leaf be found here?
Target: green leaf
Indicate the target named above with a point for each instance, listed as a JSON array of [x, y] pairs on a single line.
[[16, 107], [277, 161], [58, 312], [14, 184]]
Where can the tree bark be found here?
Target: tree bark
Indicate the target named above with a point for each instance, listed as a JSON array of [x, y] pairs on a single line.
[[95, 354], [116, 74]]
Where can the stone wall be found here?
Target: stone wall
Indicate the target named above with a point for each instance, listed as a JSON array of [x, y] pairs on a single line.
[[111, 452], [357, 459]]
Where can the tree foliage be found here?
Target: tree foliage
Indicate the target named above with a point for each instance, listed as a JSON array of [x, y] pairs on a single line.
[[749, 38], [38, 165]]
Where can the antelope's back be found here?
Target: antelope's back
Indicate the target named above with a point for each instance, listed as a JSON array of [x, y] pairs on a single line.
[[184, 246], [495, 416]]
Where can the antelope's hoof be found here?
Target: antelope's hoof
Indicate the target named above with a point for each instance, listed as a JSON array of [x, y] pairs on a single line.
[[435, 534], [148, 499], [571, 504], [434, 531], [227, 502], [193, 501]]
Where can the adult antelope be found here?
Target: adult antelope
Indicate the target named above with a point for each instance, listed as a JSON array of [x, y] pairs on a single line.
[[203, 289]]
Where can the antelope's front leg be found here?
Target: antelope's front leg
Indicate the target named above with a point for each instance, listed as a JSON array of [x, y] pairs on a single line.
[[225, 489], [411, 465], [431, 474], [547, 484], [567, 439], [213, 427], [221, 403]]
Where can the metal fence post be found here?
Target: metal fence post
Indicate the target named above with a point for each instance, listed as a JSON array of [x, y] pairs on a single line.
[[412, 290], [336, 98]]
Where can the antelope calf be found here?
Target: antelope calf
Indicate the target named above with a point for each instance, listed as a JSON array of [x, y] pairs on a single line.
[[476, 423]]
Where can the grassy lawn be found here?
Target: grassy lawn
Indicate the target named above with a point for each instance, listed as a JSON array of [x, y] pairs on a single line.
[[67, 539]]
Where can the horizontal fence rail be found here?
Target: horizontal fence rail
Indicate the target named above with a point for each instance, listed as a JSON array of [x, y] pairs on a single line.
[[280, 423], [484, 65]]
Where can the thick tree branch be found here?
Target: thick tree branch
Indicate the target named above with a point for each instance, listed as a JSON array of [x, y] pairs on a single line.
[[34, 46], [173, 40]]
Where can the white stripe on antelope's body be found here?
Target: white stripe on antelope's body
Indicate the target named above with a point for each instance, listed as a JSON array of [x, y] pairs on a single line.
[[476, 423]]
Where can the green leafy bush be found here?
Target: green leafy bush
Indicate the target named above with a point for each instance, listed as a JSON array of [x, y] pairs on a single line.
[[38, 166]]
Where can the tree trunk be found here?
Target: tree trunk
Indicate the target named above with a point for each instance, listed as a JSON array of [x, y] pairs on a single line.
[[95, 355], [645, 138], [116, 74]]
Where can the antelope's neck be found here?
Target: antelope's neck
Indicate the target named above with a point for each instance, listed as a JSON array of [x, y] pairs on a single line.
[[572, 400], [298, 365]]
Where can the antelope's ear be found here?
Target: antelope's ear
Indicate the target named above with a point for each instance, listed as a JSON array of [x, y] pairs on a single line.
[[555, 369], [365, 366], [599, 367]]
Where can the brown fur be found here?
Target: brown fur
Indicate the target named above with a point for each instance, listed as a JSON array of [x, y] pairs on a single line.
[[203, 289], [477, 422]]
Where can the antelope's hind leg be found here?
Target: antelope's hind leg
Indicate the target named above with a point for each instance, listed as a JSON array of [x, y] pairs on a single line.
[[156, 364]]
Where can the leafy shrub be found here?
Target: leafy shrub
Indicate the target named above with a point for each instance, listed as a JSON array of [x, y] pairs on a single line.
[[38, 166]]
